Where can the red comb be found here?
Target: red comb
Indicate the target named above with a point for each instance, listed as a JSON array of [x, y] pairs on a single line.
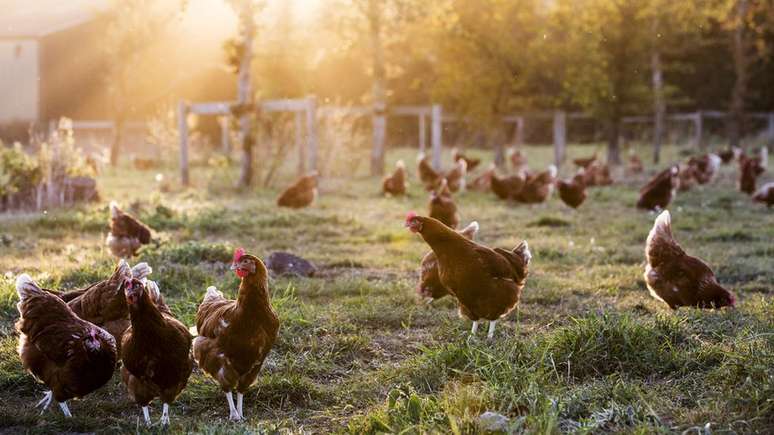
[[411, 215], [238, 253]]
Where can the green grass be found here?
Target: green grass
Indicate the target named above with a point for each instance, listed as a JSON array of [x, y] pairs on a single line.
[[588, 351]]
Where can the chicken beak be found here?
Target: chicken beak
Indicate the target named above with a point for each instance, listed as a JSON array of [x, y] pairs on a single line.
[[234, 266]]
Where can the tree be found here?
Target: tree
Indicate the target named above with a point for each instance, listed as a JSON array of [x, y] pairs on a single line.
[[133, 26], [240, 52], [610, 57]]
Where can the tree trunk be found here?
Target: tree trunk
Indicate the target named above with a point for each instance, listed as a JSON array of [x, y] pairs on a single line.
[[739, 92], [379, 93], [245, 96], [658, 105], [560, 137], [613, 133]]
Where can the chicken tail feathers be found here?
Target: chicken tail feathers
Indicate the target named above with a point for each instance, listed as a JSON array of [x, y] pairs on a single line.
[[114, 210], [523, 251], [26, 287], [471, 230], [141, 271], [661, 246], [212, 293]]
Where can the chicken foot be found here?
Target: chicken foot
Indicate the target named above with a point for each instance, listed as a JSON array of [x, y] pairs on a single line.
[[233, 413], [45, 401]]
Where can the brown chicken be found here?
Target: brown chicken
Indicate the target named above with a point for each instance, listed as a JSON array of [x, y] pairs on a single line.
[[660, 190], [301, 193], [635, 165], [765, 194], [155, 350], [71, 356], [126, 234], [430, 286], [686, 177], [235, 336], [573, 192], [396, 183], [585, 162], [598, 174], [704, 167], [518, 159], [486, 282], [103, 303], [538, 187], [729, 154], [483, 183], [455, 178], [507, 188], [427, 175], [471, 163], [441, 206], [749, 170], [677, 278]]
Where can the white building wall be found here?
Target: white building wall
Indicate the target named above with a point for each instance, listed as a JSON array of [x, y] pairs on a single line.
[[19, 80]]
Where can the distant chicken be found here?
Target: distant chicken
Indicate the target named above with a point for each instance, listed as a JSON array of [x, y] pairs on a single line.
[[573, 192], [677, 278], [507, 188], [155, 350], [301, 193], [729, 154], [538, 187], [584, 162], [486, 282], [427, 175], [442, 207], [635, 164], [235, 336], [71, 356], [470, 162], [430, 287], [598, 174], [749, 170], [483, 183], [704, 167], [103, 303], [518, 159], [765, 194], [686, 177], [660, 190], [396, 183], [455, 178], [126, 234]]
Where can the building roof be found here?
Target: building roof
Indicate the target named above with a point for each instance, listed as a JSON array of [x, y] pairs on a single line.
[[38, 18]]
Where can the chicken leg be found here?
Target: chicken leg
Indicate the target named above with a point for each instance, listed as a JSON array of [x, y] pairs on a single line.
[[474, 328], [146, 414], [165, 415], [65, 409], [233, 413], [492, 324], [240, 399], [45, 401]]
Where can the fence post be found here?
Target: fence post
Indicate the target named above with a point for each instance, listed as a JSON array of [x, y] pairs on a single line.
[[560, 136], [422, 133], [697, 132], [182, 128], [311, 130], [437, 125], [518, 132], [225, 135], [770, 130], [300, 143]]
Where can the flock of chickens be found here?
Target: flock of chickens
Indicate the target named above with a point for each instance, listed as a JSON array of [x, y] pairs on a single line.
[[73, 341]]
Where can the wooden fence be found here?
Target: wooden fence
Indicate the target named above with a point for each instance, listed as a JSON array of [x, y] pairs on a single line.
[[308, 112]]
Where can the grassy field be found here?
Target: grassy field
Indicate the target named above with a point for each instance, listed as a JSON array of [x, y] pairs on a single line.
[[588, 351]]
